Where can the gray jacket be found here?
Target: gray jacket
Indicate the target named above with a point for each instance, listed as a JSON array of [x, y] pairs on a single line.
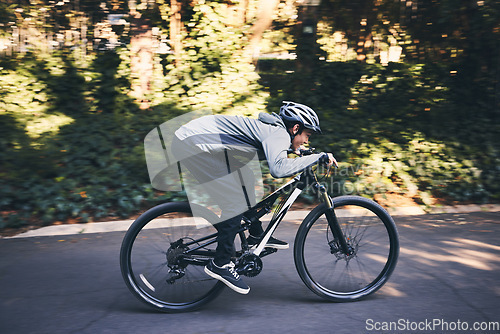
[[267, 135]]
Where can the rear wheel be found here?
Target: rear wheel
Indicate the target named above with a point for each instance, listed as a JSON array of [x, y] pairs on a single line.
[[154, 262], [372, 238]]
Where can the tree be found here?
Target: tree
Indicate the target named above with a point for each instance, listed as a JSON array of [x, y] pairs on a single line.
[[176, 28], [263, 21], [141, 55], [362, 20], [306, 35]]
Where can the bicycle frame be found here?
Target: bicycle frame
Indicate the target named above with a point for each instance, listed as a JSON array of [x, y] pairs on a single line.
[[289, 193]]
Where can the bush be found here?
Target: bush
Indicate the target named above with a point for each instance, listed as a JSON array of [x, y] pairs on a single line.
[[87, 162], [398, 128], [72, 138]]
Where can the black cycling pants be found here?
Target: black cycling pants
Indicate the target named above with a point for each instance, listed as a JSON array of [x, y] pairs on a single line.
[[212, 169]]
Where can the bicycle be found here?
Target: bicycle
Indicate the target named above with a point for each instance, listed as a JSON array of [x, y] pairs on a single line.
[[345, 249]]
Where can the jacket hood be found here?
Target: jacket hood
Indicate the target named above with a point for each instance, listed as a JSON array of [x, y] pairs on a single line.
[[272, 119]]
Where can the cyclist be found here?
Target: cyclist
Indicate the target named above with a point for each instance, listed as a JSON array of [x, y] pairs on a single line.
[[213, 147]]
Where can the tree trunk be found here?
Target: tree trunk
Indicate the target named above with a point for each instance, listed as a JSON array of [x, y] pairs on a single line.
[[306, 36], [176, 28], [364, 43], [264, 21], [141, 59], [242, 12]]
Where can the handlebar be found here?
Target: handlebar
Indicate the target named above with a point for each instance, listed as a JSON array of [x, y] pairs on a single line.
[[302, 152]]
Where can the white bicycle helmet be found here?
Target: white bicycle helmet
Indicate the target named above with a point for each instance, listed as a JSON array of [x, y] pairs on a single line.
[[296, 112]]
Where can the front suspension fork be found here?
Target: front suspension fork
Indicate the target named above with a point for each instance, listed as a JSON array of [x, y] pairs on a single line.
[[333, 222]]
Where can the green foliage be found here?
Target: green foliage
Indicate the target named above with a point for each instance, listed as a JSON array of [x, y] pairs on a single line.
[[88, 168], [407, 129], [213, 71], [71, 144]]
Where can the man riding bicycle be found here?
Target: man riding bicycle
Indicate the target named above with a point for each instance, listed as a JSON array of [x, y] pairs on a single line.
[[213, 149]]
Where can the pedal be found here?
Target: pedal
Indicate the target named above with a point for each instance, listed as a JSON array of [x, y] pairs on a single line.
[[267, 251]]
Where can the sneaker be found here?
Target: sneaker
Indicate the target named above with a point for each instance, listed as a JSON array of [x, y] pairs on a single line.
[[253, 242], [227, 275]]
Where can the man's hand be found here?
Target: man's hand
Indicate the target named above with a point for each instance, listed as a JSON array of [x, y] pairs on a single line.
[[332, 160]]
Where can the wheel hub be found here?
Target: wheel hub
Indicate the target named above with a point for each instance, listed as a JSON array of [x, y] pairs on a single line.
[[335, 249]]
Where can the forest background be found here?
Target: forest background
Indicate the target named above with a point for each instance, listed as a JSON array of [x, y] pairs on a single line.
[[408, 93]]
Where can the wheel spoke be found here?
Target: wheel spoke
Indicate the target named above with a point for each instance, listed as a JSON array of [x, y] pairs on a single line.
[[151, 259], [372, 237]]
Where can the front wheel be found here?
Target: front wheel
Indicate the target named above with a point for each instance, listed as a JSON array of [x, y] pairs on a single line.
[[373, 241]]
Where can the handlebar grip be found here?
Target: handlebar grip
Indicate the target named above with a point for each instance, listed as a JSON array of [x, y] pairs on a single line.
[[324, 160]]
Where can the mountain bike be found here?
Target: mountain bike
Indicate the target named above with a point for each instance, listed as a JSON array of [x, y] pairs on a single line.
[[345, 249]]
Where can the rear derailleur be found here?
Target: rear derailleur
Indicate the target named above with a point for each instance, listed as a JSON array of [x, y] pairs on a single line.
[[175, 261]]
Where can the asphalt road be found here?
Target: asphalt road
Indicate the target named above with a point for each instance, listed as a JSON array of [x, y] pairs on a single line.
[[448, 277]]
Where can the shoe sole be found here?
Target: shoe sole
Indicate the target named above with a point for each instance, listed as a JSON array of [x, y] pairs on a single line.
[[226, 282]]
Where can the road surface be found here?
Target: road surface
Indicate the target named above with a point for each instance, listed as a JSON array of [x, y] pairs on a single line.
[[448, 277]]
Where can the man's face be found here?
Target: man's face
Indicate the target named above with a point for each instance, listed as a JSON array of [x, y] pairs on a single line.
[[301, 139]]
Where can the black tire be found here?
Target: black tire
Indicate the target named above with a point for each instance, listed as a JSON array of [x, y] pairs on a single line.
[[145, 267], [371, 233]]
